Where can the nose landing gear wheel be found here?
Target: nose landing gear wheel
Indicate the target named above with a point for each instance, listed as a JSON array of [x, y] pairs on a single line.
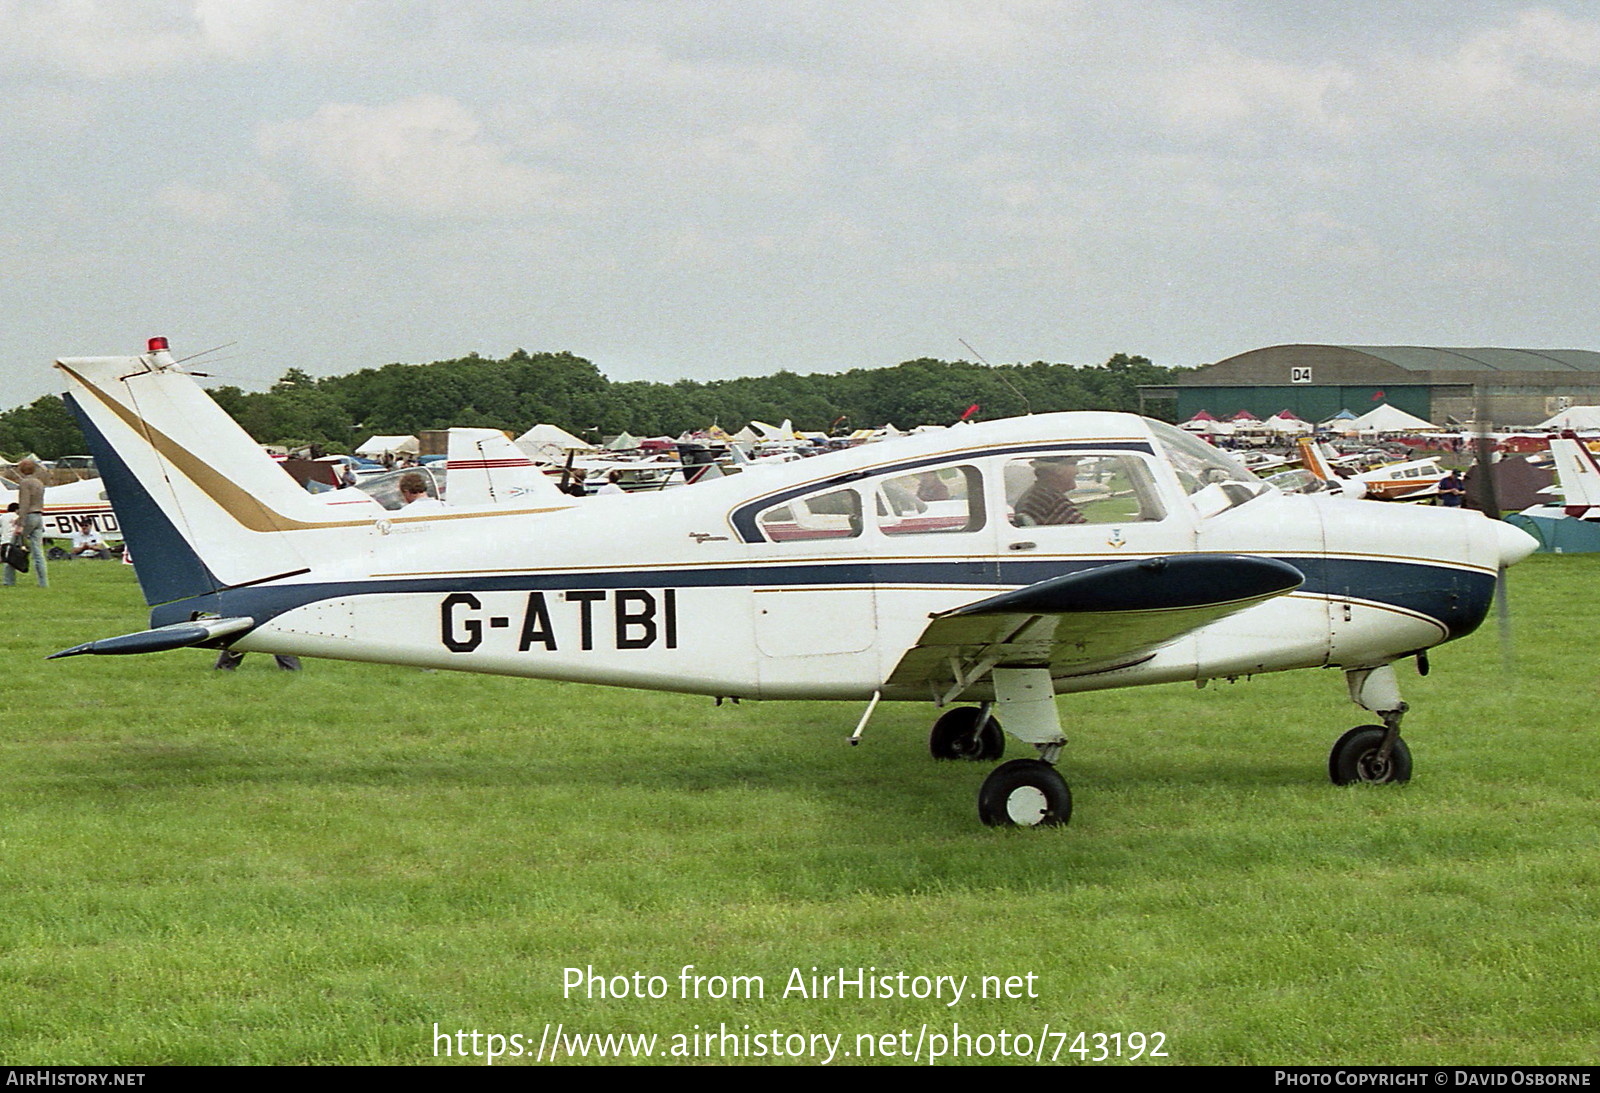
[[1356, 758], [1025, 793], [953, 736]]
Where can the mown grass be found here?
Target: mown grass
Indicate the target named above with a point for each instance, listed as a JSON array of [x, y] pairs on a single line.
[[264, 867]]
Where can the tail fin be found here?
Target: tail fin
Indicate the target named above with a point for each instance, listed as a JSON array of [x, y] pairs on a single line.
[[203, 507], [1314, 457], [1313, 460], [487, 468], [1578, 472]]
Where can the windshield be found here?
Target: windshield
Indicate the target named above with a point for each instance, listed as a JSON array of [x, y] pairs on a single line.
[[385, 488], [1214, 481]]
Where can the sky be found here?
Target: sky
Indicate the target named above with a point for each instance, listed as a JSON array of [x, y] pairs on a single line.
[[711, 189]]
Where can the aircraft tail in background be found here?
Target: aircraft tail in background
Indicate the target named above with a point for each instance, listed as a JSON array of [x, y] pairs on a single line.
[[486, 468], [1578, 474]]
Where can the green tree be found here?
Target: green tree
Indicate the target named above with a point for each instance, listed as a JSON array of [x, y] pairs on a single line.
[[45, 428]]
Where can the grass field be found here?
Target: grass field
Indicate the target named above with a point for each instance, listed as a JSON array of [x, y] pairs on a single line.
[[262, 867]]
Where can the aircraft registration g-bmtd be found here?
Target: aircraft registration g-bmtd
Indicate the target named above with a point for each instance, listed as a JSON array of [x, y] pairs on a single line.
[[998, 564]]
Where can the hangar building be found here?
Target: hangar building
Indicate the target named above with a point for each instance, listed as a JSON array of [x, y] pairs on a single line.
[[1518, 387]]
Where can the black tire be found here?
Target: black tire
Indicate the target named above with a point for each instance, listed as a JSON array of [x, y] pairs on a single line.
[[1355, 758], [953, 736], [1025, 793], [56, 554]]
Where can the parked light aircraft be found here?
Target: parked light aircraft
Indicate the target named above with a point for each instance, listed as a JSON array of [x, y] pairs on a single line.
[[1411, 480], [484, 469], [1578, 472], [75, 508], [1577, 481], [998, 564]]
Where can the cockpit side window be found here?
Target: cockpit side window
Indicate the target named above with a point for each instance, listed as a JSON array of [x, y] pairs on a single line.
[[835, 514], [1081, 489], [931, 502]]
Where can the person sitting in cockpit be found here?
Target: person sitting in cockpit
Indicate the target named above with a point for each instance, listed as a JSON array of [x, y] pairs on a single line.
[[1046, 501]]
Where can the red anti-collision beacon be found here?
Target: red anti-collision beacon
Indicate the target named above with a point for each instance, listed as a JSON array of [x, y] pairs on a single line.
[[158, 345]]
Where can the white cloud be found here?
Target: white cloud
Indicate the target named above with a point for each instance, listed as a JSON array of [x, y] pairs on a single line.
[[233, 202], [426, 156], [1537, 73], [97, 38], [237, 28], [1233, 94], [111, 39]]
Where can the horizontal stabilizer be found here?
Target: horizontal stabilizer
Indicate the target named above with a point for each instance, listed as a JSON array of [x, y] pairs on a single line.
[[1095, 619], [180, 635]]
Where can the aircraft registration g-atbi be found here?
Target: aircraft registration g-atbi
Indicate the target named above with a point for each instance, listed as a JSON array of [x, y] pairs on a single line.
[[996, 564]]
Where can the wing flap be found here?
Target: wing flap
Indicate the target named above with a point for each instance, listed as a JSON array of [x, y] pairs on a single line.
[[1095, 619]]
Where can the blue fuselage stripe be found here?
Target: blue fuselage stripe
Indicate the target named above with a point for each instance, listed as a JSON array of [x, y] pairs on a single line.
[[1457, 599]]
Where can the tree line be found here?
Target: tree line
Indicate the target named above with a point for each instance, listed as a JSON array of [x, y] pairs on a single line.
[[526, 389]]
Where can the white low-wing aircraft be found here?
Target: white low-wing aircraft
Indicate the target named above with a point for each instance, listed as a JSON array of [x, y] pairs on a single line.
[[1412, 480], [74, 508], [998, 564]]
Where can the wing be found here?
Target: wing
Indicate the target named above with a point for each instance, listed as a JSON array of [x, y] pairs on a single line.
[[1091, 621]]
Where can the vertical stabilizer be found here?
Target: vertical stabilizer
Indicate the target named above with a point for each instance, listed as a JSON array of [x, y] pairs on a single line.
[[1313, 460], [203, 507], [1578, 474], [487, 468]]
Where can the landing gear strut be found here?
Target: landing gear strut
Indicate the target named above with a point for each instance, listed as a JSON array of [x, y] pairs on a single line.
[[1373, 754], [1023, 792]]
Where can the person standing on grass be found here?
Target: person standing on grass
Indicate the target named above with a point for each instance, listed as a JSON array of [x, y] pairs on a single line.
[[1452, 490], [30, 520]]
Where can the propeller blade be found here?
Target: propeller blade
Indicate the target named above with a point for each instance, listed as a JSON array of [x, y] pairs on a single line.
[[1487, 497]]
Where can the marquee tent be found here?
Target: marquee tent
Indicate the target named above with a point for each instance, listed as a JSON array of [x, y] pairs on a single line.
[[1574, 417], [1390, 419], [550, 444], [1287, 424], [378, 446]]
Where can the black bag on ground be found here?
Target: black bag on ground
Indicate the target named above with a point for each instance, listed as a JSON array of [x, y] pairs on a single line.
[[16, 556]]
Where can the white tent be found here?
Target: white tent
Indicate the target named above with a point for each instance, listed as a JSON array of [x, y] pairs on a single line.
[[1574, 417], [1389, 419], [773, 432], [1287, 424], [379, 446], [552, 434], [550, 444]]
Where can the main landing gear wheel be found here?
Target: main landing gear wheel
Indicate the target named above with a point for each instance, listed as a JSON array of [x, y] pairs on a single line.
[[1356, 758], [953, 736], [1025, 793]]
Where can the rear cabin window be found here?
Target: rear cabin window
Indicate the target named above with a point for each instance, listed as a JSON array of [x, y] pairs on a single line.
[[832, 515], [1088, 489], [931, 502]]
